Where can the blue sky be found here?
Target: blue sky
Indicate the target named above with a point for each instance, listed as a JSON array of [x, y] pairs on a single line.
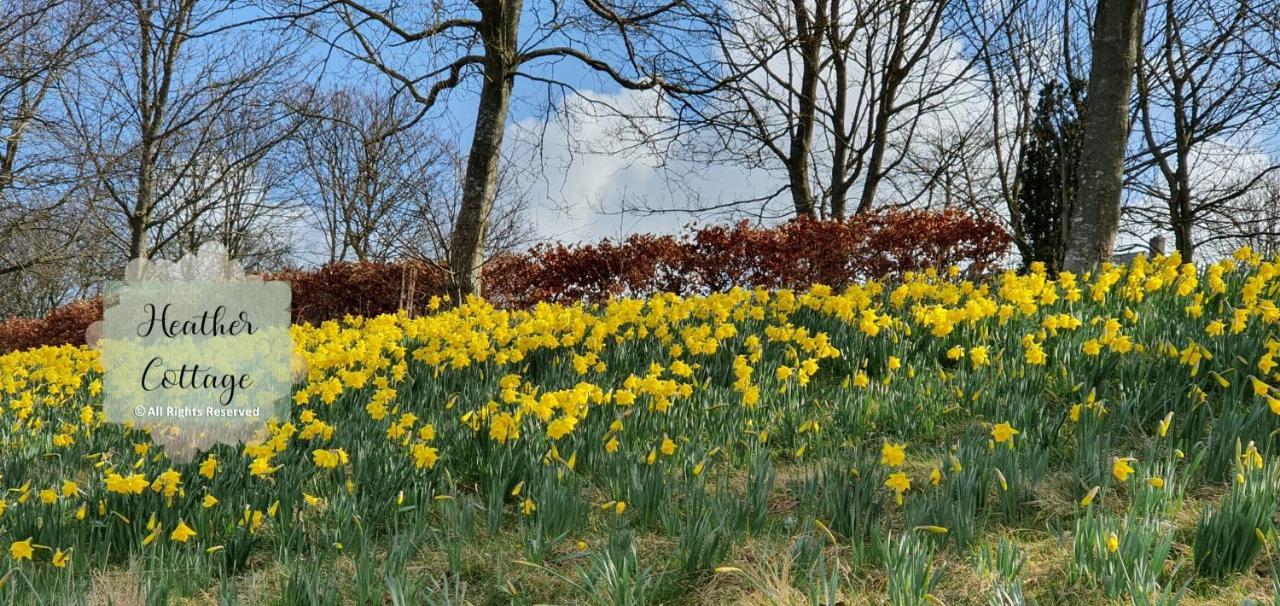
[[455, 112], [567, 197], [574, 192]]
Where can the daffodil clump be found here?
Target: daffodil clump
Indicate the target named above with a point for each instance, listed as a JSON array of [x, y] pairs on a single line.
[[912, 417]]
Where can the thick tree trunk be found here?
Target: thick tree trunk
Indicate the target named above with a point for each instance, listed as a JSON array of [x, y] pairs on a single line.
[[144, 201], [1096, 215], [480, 184], [798, 178], [840, 154], [811, 33], [501, 20], [138, 232]]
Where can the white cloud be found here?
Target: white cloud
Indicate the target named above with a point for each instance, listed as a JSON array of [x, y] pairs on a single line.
[[588, 183]]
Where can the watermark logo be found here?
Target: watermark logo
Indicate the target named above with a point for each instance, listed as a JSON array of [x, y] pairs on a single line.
[[196, 352]]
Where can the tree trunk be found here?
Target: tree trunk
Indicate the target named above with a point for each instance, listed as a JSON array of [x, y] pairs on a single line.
[[500, 22], [144, 201], [138, 232], [148, 118], [1096, 215], [1182, 222], [840, 108], [894, 73], [811, 35], [880, 141], [1184, 217]]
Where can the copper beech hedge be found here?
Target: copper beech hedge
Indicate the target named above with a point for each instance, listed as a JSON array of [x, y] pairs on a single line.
[[699, 260]]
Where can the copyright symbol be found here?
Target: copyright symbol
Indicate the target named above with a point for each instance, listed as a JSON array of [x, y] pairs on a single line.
[[139, 411]]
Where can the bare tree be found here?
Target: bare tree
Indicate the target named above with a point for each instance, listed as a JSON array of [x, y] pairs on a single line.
[[1207, 104], [809, 32], [250, 211], [953, 165], [429, 51], [776, 54], [1252, 220], [901, 83], [1017, 52], [40, 42], [150, 115], [1095, 215], [366, 174], [835, 97]]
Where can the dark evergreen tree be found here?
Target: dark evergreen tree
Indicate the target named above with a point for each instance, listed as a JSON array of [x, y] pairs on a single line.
[[1048, 175]]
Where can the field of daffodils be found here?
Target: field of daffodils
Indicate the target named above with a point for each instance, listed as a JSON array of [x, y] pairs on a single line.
[[1097, 439]]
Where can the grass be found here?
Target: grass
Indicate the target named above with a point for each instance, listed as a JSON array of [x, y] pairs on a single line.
[[759, 570]]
